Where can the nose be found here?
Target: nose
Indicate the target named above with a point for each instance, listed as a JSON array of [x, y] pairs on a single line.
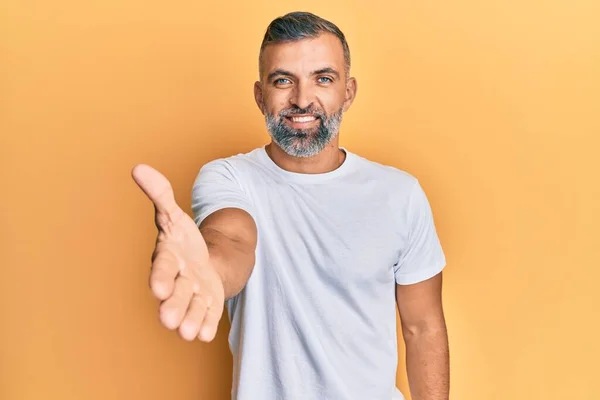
[[302, 96]]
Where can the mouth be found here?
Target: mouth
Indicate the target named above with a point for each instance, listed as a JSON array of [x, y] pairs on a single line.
[[301, 121]]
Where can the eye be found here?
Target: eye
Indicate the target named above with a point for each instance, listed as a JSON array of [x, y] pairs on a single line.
[[281, 81], [325, 79]]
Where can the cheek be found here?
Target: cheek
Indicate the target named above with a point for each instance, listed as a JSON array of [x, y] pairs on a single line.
[[275, 102], [332, 101]]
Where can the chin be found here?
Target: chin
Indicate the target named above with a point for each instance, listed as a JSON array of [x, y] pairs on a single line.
[[306, 133]]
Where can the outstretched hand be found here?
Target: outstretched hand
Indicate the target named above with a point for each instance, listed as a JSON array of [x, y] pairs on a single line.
[[182, 276]]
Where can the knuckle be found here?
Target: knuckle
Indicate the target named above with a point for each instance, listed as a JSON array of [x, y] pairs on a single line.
[[200, 301]]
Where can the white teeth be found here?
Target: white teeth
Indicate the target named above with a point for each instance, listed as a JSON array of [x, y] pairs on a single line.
[[303, 119]]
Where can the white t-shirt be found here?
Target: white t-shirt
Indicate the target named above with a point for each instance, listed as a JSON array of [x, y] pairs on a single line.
[[317, 318]]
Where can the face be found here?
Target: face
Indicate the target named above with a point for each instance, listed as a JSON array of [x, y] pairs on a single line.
[[304, 92]]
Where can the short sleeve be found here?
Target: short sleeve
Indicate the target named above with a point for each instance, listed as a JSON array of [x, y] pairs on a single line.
[[423, 257], [218, 186]]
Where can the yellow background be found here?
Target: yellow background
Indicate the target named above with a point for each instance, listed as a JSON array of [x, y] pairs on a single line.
[[494, 105]]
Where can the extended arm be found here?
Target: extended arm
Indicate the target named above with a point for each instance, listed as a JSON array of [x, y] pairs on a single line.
[[231, 236]]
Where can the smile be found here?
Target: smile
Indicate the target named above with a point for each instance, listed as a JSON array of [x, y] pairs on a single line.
[[308, 118]]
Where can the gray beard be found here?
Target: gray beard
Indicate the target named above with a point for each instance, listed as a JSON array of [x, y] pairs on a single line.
[[303, 142]]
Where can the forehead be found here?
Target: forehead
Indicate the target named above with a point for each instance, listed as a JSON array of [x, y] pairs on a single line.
[[304, 56]]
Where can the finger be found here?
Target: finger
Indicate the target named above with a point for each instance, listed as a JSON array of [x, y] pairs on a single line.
[[174, 308], [210, 324], [193, 319], [157, 187], [165, 268]]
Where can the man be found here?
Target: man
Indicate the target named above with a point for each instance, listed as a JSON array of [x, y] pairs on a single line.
[[309, 245]]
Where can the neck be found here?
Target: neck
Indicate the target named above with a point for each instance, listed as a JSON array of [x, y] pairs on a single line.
[[329, 159]]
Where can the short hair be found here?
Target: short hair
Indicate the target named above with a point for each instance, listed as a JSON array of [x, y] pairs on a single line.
[[300, 25]]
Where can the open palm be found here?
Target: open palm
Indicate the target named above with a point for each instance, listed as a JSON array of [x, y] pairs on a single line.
[[182, 276]]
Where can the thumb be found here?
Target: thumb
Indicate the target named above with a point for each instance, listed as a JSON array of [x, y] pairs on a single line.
[[156, 186]]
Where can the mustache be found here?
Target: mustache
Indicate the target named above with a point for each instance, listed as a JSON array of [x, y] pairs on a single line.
[[306, 111]]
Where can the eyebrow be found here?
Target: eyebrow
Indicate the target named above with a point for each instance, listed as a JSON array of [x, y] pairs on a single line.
[[326, 70], [283, 72]]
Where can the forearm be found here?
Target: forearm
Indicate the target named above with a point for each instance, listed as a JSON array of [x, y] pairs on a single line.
[[232, 259], [428, 364]]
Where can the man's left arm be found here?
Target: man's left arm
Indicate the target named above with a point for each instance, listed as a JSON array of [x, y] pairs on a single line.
[[426, 338]]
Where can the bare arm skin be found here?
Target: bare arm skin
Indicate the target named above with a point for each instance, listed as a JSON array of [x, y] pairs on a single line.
[[231, 235], [426, 339]]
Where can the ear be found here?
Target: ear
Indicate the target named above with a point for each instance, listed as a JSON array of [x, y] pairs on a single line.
[[351, 89], [258, 96]]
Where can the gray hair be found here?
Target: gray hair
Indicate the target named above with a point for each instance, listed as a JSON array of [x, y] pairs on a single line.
[[301, 25]]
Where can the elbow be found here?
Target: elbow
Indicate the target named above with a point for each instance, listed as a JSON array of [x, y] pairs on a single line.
[[416, 331]]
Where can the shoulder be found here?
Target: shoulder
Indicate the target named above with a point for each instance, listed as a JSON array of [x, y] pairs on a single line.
[[234, 161], [395, 177], [232, 165]]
